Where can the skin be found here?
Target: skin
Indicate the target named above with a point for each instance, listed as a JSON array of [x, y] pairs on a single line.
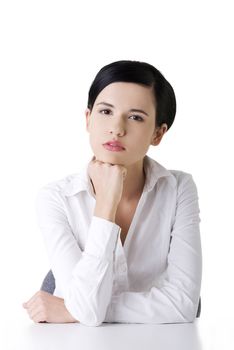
[[117, 177], [45, 307], [105, 123]]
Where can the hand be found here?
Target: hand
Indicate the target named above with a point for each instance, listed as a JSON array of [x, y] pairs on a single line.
[[107, 180], [45, 307]]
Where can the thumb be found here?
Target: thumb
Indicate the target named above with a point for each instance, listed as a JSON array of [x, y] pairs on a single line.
[[124, 173]]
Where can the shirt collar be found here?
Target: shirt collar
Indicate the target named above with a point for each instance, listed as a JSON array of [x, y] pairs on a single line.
[[154, 171]]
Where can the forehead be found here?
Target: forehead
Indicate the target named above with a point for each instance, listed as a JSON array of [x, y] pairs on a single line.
[[130, 94]]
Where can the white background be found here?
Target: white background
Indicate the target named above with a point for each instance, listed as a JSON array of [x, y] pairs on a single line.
[[50, 54]]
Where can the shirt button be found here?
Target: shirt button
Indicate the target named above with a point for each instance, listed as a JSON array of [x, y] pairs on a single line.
[[123, 268]]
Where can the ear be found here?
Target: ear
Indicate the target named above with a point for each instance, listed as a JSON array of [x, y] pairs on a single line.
[[87, 115], [158, 134]]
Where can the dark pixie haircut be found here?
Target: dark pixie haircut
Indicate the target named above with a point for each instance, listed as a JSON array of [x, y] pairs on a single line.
[[140, 73]]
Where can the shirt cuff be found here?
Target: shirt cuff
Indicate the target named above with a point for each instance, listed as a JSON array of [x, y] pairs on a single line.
[[102, 238]]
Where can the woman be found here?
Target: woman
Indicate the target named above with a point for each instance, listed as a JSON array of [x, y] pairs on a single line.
[[122, 235]]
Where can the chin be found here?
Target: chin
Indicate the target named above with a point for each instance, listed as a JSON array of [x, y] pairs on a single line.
[[111, 158]]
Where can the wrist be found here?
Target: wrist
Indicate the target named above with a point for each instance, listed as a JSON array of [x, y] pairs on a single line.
[[105, 212], [68, 317]]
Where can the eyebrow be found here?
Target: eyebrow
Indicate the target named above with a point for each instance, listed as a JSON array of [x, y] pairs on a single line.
[[130, 110]]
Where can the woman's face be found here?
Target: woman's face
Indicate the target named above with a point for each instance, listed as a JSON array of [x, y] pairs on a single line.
[[134, 129]]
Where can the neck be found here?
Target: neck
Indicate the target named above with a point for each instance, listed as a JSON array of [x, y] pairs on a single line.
[[134, 182]]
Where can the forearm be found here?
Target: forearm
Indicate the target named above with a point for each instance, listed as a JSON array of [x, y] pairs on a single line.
[[89, 291]]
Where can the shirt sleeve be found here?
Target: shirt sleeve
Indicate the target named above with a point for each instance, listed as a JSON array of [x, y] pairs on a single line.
[[85, 277], [174, 296]]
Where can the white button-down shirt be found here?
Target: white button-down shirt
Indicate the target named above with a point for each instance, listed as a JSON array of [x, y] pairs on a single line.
[[155, 277]]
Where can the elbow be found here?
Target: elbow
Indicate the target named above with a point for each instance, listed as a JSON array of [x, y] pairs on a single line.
[[95, 323], [91, 320], [87, 316], [190, 304], [195, 311], [190, 312], [190, 318]]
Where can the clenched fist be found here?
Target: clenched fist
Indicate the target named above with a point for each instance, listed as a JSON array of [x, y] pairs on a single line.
[[44, 307], [107, 180]]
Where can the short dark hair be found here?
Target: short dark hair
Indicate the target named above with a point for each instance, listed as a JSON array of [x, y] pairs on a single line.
[[140, 73]]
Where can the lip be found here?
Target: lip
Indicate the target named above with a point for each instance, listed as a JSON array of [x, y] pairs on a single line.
[[113, 148], [114, 143]]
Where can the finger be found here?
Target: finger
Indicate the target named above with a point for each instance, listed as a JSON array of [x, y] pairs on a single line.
[[37, 313], [34, 313], [34, 298], [39, 317], [29, 302]]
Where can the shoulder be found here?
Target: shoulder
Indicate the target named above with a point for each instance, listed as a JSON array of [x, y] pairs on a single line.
[[184, 181], [180, 176], [173, 177], [55, 189], [59, 184]]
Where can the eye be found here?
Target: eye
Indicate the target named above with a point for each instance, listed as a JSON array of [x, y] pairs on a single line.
[[104, 110], [140, 119]]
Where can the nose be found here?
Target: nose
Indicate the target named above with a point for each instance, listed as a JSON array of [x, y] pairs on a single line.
[[117, 128]]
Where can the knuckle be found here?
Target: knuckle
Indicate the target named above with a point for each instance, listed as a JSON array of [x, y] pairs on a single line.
[[40, 293], [40, 299], [43, 307]]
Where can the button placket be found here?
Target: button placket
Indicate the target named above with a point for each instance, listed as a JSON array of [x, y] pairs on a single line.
[[122, 267], [120, 280]]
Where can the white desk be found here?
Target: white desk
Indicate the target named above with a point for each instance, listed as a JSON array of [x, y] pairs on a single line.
[[32, 336], [23, 334]]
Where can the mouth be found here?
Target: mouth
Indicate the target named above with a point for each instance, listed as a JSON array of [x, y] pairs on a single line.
[[112, 148]]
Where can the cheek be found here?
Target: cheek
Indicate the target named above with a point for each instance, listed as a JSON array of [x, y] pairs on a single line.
[[97, 125], [96, 136], [144, 135], [94, 128]]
